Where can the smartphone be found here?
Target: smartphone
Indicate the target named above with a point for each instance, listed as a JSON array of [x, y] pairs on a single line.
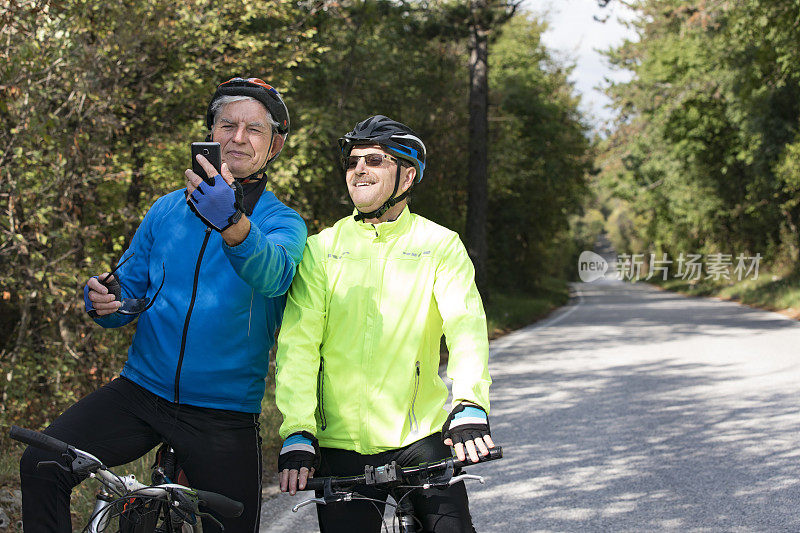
[[210, 151]]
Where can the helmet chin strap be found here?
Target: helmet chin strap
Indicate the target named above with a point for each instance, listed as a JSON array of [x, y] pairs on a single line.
[[388, 204]]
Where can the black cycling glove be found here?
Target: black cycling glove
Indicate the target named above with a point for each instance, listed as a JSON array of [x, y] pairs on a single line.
[[299, 450], [465, 423]]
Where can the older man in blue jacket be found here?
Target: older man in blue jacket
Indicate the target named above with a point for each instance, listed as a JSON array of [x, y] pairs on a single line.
[[223, 255]]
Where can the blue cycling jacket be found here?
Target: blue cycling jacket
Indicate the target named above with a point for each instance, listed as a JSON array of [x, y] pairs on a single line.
[[206, 340]]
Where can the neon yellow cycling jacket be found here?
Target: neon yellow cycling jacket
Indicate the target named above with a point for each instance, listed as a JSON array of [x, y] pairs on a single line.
[[358, 351]]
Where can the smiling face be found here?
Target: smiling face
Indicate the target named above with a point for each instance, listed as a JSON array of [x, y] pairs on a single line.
[[369, 186], [244, 132]]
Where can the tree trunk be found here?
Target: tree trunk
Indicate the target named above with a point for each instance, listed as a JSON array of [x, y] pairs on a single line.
[[477, 175]]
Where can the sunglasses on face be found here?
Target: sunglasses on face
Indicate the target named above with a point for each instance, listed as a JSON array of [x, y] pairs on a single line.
[[370, 160]]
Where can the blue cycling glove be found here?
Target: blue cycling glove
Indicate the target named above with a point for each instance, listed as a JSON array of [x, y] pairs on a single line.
[[465, 423], [218, 204], [299, 450], [113, 287]]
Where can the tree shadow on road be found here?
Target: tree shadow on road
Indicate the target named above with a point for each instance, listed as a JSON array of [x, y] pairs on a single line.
[[659, 444]]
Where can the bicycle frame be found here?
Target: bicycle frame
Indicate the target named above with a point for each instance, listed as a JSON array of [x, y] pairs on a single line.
[[128, 485]]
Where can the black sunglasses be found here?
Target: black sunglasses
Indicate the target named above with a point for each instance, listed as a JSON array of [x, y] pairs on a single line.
[[371, 160], [135, 306]]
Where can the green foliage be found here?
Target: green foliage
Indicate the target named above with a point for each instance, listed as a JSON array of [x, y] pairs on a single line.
[[381, 57], [538, 162], [98, 103], [703, 158]]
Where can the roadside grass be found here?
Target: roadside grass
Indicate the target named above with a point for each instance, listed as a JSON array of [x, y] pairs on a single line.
[[9, 465], [505, 312], [774, 292], [9, 482]]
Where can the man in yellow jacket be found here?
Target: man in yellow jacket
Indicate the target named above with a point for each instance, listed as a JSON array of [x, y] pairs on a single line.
[[358, 352]]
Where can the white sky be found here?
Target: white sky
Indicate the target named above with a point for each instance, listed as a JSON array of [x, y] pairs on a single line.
[[575, 36]]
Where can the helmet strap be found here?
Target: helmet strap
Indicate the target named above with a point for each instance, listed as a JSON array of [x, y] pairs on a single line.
[[257, 175], [388, 204]]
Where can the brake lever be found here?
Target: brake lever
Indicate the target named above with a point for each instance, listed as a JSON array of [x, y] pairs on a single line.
[[48, 464], [186, 505], [320, 501], [462, 477], [211, 517], [444, 479], [334, 497], [81, 463]]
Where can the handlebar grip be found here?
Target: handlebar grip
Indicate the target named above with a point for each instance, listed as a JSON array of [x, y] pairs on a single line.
[[494, 453], [318, 483], [221, 504], [315, 483], [38, 439]]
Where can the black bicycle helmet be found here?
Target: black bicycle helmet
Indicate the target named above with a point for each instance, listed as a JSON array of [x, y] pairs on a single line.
[[254, 88], [397, 138]]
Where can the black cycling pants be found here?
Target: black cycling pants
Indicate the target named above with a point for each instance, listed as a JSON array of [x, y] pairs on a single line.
[[218, 450], [440, 511]]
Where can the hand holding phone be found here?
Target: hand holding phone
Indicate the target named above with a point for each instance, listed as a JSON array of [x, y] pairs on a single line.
[[210, 151], [217, 202]]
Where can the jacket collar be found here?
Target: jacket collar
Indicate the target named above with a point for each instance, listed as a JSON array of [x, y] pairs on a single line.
[[385, 229], [252, 193]]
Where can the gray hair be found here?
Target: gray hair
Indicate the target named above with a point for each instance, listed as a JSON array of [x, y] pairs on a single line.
[[222, 101]]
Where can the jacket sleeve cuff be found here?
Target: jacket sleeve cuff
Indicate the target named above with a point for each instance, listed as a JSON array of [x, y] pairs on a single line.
[[475, 402], [247, 246], [288, 430]]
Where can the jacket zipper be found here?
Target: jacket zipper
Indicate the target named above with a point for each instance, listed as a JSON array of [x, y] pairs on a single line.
[[412, 417], [323, 423], [189, 314]]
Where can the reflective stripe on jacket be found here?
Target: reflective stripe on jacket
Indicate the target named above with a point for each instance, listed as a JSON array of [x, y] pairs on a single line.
[[358, 352]]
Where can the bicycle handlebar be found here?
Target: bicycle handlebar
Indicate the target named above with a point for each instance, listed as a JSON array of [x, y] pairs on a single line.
[[222, 504], [216, 502], [494, 453], [318, 483], [39, 440]]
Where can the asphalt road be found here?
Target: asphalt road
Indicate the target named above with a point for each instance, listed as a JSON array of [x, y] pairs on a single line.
[[634, 409]]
